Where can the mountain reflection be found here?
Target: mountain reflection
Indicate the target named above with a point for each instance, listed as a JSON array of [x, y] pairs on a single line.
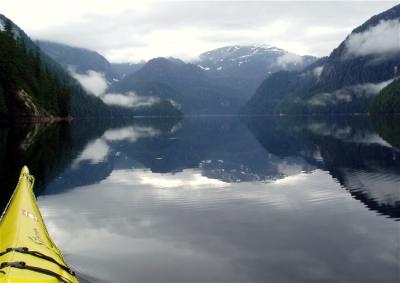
[[220, 151], [223, 199], [350, 149], [360, 155]]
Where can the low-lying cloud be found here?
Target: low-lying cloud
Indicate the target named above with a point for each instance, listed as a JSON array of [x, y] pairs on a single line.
[[2, 27], [129, 99], [318, 71], [384, 38], [95, 83], [346, 94], [289, 59]]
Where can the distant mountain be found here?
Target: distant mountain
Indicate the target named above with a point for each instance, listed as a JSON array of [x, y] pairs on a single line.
[[186, 84], [345, 82], [84, 62], [81, 103], [124, 69], [250, 64], [76, 59], [33, 84], [219, 82]]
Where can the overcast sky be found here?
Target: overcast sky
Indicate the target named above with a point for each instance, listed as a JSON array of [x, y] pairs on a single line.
[[128, 31]]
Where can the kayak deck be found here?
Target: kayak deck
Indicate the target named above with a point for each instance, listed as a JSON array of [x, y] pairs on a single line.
[[27, 253]]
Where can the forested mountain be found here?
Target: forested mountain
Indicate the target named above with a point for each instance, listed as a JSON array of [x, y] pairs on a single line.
[[76, 59], [81, 104], [34, 85], [186, 84], [27, 87], [345, 82], [82, 60], [219, 82], [388, 100], [245, 67]]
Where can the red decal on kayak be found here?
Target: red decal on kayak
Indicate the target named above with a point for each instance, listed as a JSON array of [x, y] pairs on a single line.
[[29, 215]]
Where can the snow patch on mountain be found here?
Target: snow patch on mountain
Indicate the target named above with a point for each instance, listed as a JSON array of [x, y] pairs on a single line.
[[204, 68], [252, 59]]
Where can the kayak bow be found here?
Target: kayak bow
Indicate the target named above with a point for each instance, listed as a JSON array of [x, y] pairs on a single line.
[[27, 253]]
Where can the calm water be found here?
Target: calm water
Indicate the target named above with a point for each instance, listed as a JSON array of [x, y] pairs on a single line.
[[218, 199]]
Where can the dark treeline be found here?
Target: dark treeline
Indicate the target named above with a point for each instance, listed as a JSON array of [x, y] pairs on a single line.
[[27, 86], [388, 101]]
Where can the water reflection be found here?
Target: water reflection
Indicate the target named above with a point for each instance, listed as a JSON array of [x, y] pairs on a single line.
[[250, 232], [349, 149], [222, 200]]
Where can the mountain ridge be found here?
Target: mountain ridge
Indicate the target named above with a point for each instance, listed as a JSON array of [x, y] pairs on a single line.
[[341, 83]]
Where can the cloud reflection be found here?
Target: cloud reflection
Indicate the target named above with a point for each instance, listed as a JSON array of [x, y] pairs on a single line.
[[129, 228], [98, 150], [94, 152], [186, 179]]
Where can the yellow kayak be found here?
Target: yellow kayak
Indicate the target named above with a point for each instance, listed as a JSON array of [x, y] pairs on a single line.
[[27, 253]]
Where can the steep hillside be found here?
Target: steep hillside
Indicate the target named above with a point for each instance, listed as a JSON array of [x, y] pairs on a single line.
[[81, 103], [28, 89], [388, 100], [76, 59], [370, 54], [346, 82], [34, 85], [283, 92]]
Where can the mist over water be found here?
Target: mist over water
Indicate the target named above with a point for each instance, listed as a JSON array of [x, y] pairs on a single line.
[[220, 199]]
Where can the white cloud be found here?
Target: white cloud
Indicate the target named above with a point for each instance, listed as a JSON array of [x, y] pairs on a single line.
[[125, 30], [2, 27], [93, 82], [288, 59], [318, 71], [129, 99], [324, 30], [381, 39], [347, 94]]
